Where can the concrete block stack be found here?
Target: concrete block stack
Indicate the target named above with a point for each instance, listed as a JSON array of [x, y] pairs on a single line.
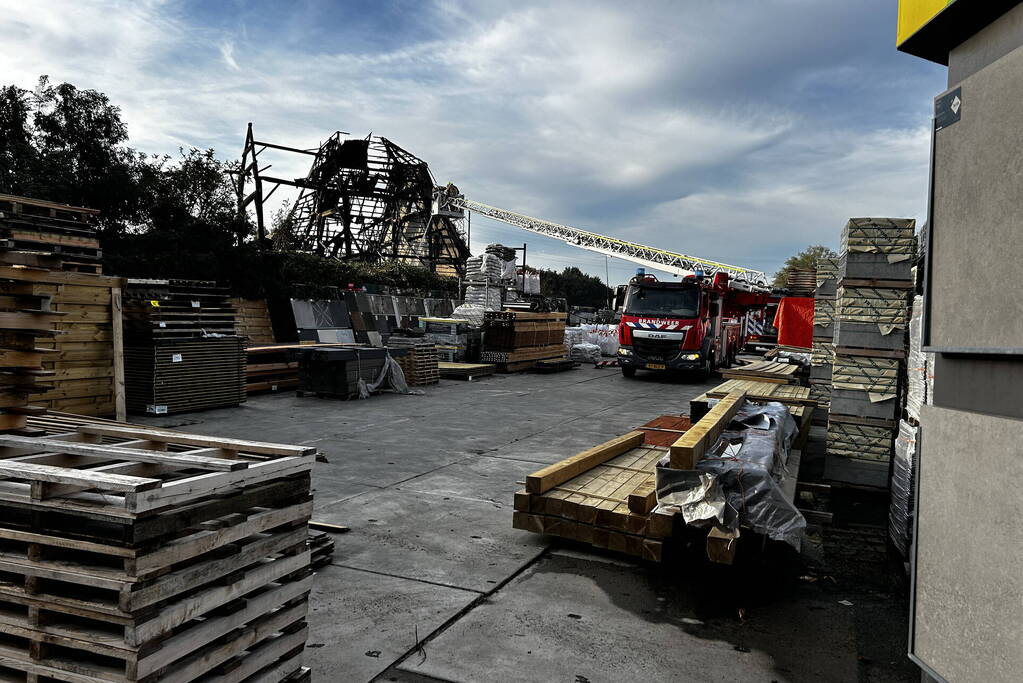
[[823, 352], [874, 291]]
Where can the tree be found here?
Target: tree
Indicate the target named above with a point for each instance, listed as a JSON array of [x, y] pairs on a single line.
[[804, 260], [575, 286]]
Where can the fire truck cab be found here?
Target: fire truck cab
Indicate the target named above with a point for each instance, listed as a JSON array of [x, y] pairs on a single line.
[[696, 324]]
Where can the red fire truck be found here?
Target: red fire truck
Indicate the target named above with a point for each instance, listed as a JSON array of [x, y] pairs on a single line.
[[696, 324]]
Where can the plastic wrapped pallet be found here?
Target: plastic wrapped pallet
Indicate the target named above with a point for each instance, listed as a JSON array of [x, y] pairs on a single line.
[[823, 317], [585, 353], [900, 514], [892, 236], [603, 335], [827, 277], [874, 306], [573, 336], [472, 313], [878, 377], [859, 442], [917, 364], [485, 296], [486, 266]]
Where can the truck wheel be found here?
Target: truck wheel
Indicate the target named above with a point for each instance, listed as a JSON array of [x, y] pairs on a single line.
[[628, 372], [703, 374]]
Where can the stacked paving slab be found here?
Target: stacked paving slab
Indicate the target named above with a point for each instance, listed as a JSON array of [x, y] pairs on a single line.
[[823, 353], [874, 290]]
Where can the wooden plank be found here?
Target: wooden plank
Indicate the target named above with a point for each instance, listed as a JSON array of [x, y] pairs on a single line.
[[23, 445], [257, 447], [116, 307], [559, 473], [722, 545], [687, 451], [643, 500], [86, 478]]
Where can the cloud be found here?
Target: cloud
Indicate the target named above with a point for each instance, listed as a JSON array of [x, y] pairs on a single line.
[[730, 130]]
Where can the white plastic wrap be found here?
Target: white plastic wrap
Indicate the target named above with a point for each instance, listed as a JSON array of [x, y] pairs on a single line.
[[901, 510], [919, 365], [484, 267], [509, 271], [585, 353], [470, 312], [391, 374], [603, 335], [573, 336], [485, 296]]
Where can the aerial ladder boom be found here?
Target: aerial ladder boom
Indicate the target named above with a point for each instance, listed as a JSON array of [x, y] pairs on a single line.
[[650, 257]]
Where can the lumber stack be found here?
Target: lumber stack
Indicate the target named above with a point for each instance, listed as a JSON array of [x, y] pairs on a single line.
[[85, 357], [874, 290], [802, 282], [420, 363], [797, 399], [181, 352], [26, 319], [180, 557], [44, 234], [465, 371], [587, 498], [252, 320], [516, 340], [764, 371]]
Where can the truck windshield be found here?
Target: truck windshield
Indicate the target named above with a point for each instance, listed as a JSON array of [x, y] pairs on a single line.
[[661, 301]]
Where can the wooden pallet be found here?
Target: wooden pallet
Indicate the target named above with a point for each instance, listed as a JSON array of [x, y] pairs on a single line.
[[252, 320], [179, 375], [764, 371], [164, 556]]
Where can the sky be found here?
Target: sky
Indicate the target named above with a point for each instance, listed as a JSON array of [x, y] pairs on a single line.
[[735, 130]]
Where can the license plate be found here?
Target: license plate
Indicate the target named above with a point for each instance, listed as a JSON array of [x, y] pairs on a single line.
[[655, 366]]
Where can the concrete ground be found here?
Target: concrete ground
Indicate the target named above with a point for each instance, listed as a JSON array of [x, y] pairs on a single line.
[[433, 584]]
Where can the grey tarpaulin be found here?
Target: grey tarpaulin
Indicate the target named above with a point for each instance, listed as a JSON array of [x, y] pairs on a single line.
[[747, 465], [393, 375]]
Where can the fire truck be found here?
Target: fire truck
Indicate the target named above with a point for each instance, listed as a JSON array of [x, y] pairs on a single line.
[[696, 324]]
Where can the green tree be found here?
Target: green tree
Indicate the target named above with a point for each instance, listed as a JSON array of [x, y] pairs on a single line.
[[804, 260], [575, 286]]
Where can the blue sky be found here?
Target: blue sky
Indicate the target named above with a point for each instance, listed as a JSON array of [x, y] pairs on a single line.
[[736, 130]]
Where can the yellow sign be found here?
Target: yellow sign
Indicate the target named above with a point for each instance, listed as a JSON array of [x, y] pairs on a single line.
[[914, 14]]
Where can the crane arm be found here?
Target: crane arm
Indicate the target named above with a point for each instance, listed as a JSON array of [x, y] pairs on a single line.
[[650, 257]]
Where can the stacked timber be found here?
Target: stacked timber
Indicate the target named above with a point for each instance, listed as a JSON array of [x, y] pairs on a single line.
[[764, 371], [272, 367], [26, 320], [797, 399], [875, 283], [516, 340], [181, 352], [40, 233], [599, 497], [420, 363], [252, 320], [180, 557], [802, 282], [465, 371]]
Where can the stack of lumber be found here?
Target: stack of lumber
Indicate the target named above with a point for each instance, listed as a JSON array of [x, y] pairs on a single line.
[[589, 498], [39, 233], [26, 319], [166, 556], [874, 290], [181, 352], [764, 371], [252, 320], [85, 358], [802, 282], [515, 340], [465, 371], [420, 363], [797, 399], [271, 368]]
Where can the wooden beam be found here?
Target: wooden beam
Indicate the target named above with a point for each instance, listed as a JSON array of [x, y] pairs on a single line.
[[85, 478], [722, 544], [644, 499], [258, 447], [691, 446], [558, 473], [23, 445], [120, 412]]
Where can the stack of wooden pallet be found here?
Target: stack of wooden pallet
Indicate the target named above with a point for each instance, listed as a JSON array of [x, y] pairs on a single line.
[[764, 371], [252, 320], [515, 340], [271, 368], [26, 318], [164, 556], [46, 234], [875, 282], [181, 352], [420, 363], [802, 282]]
